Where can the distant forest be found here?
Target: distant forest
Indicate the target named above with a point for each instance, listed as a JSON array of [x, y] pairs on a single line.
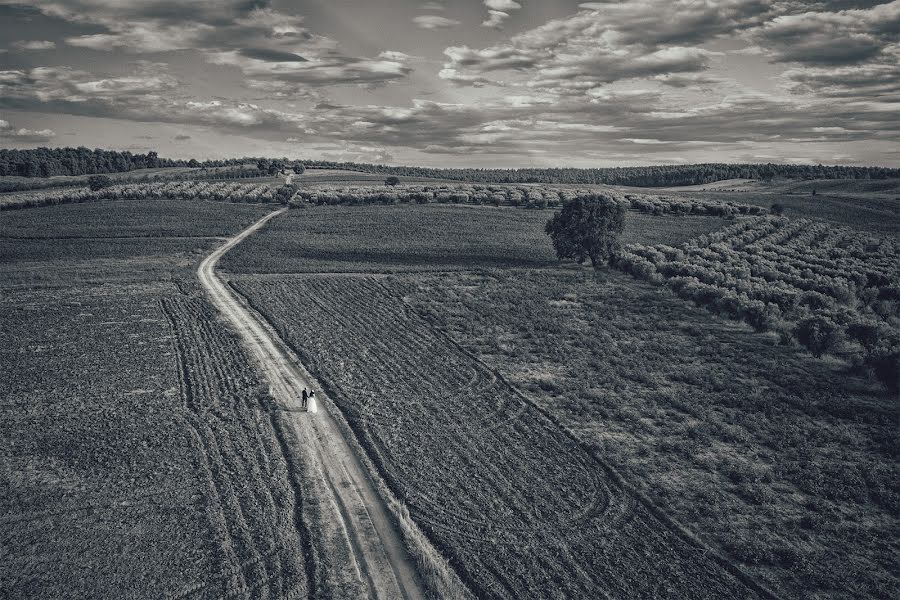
[[47, 162], [655, 176]]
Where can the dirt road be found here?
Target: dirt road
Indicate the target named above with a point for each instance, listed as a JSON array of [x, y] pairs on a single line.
[[373, 544]]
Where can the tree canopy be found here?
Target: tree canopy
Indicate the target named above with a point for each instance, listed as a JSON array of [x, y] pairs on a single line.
[[588, 227]]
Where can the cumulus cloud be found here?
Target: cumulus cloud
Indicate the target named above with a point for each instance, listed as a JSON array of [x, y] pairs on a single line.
[[434, 22], [33, 45], [604, 43], [135, 97], [251, 36], [23, 135], [506, 5], [498, 12], [831, 38]]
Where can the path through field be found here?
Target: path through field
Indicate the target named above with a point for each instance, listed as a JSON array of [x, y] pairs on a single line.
[[375, 547]]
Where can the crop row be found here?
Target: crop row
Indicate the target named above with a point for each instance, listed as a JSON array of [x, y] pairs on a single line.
[[831, 288], [519, 508], [249, 502]]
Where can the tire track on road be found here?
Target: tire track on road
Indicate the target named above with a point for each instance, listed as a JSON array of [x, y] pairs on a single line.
[[374, 543]]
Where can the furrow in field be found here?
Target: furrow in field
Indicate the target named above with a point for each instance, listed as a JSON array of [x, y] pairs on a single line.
[[250, 504], [520, 508]]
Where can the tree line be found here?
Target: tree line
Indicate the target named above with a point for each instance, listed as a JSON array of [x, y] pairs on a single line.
[[46, 162], [649, 176]]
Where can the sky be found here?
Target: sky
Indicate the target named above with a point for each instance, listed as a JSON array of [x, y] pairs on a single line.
[[464, 83]]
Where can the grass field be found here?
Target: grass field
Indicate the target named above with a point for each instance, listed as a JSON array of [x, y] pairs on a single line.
[[118, 241], [416, 237]]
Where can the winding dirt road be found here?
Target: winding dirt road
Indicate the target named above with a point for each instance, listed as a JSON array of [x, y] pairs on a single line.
[[375, 547]]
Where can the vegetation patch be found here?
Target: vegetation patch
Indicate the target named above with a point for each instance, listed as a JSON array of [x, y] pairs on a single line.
[[786, 463]]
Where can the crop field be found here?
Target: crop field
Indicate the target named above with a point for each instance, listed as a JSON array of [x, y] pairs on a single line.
[[417, 237], [519, 508], [145, 218], [784, 465], [139, 457], [113, 241], [552, 430]]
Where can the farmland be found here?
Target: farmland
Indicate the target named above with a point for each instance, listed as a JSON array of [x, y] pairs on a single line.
[[832, 288], [405, 387], [129, 453], [783, 464], [114, 241], [551, 430], [416, 237]]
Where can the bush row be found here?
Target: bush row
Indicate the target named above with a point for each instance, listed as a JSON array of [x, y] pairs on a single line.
[[186, 190], [832, 289], [530, 197]]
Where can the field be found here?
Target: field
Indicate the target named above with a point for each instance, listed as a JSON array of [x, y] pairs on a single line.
[[417, 237], [846, 205], [784, 465], [831, 288], [405, 388], [553, 431], [113, 241], [133, 462]]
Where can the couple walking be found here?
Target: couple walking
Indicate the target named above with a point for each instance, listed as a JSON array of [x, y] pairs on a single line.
[[308, 401]]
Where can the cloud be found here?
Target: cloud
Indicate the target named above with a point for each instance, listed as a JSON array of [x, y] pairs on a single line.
[[498, 12], [135, 96], [588, 49], [33, 45], [249, 35], [831, 38], [504, 5], [433, 6], [434, 22], [23, 135], [495, 19], [869, 82], [268, 55]]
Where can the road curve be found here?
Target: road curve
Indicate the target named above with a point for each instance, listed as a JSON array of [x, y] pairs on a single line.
[[381, 561]]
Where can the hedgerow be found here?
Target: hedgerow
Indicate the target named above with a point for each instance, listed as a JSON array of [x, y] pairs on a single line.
[[185, 190], [528, 196]]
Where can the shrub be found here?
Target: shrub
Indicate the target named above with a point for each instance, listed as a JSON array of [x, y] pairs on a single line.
[[99, 182], [818, 334]]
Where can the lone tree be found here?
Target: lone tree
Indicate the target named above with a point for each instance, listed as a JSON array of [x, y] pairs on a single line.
[[588, 227], [392, 180], [299, 168]]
